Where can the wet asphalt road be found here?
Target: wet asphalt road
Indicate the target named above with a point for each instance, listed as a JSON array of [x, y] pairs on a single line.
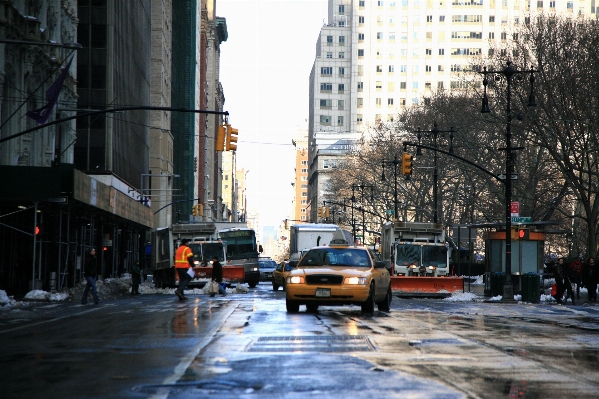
[[247, 346]]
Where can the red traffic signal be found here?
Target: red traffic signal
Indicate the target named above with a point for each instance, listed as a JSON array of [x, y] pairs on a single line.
[[37, 230], [523, 234]]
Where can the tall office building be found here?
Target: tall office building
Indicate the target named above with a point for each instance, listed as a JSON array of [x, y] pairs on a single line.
[[300, 183], [374, 58]]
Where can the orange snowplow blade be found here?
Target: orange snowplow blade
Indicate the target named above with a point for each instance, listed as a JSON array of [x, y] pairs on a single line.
[[412, 286], [231, 274]]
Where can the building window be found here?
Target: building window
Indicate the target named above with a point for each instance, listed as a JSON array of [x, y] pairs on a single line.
[[378, 102], [359, 102], [360, 70], [429, 51], [361, 3], [339, 121], [341, 9], [342, 40], [304, 194], [326, 70], [440, 68], [391, 37], [359, 119], [305, 163], [341, 54], [379, 36], [360, 52], [326, 104], [402, 85], [326, 87], [330, 39], [303, 210], [329, 54], [441, 18], [325, 120], [360, 86], [390, 87], [428, 68], [491, 18], [403, 68], [391, 69], [441, 51], [379, 69], [303, 218], [340, 104], [341, 71], [304, 201], [340, 87], [360, 37], [361, 20], [325, 164], [379, 86]]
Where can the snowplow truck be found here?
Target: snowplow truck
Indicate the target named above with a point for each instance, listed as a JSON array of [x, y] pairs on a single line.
[[419, 257], [415, 249]]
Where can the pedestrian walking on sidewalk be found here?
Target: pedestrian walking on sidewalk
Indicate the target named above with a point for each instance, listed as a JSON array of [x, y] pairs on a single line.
[[183, 261], [135, 278], [575, 274], [90, 273], [591, 273], [217, 275], [563, 282]]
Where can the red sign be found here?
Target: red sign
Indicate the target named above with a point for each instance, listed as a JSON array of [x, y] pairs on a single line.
[[515, 208]]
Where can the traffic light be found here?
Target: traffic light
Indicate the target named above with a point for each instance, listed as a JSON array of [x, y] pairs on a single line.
[[37, 230], [231, 138], [194, 211], [327, 212], [220, 138], [523, 234], [200, 209], [320, 212], [406, 164]]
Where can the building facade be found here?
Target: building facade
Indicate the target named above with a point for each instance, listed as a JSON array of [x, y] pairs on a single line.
[[299, 211], [374, 58], [82, 176]]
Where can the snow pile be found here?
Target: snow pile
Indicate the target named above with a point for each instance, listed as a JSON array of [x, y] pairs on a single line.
[[461, 297], [47, 296], [5, 300]]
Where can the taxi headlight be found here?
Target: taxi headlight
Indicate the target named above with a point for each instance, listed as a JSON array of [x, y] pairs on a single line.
[[255, 269], [295, 280], [355, 280]]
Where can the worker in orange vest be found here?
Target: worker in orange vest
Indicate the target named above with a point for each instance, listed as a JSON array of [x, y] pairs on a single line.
[[183, 261]]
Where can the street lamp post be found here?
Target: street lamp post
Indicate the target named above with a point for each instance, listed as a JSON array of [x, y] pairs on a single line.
[[508, 72], [394, 162], [435, 132], [362, 186]]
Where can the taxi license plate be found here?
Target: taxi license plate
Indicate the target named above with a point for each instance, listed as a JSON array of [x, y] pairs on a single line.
[[323, 293]]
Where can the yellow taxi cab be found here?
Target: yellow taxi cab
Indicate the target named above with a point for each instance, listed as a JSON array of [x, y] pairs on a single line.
[[279, 275], [338, 274]]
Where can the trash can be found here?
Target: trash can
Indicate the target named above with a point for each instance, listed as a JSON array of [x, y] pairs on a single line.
[[497, 283], [531, 291]]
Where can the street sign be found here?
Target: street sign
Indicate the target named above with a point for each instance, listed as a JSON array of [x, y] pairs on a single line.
[[513, 176], [517, 219], [515, 208], [390, 211]]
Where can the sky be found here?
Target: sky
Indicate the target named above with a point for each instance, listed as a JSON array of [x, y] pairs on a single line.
[[264, 70]]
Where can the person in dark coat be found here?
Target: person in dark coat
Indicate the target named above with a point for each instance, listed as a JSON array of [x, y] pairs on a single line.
[[217, 275], [562, 281], [135, 278], [591, 274], [90, 272], [575, 274]]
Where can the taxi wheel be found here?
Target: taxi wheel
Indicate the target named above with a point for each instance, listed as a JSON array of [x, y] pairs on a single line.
[[292, 306], [274, 286], [368, 306], [312, 308], [385, 304]]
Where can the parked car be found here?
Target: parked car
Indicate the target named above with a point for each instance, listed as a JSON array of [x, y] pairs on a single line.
[[280, 274], [267, 267]]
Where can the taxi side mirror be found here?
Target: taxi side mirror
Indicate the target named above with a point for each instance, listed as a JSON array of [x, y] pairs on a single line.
[[379, 264]]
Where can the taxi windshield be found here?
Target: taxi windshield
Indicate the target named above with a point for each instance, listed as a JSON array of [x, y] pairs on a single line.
[[336, 257]]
